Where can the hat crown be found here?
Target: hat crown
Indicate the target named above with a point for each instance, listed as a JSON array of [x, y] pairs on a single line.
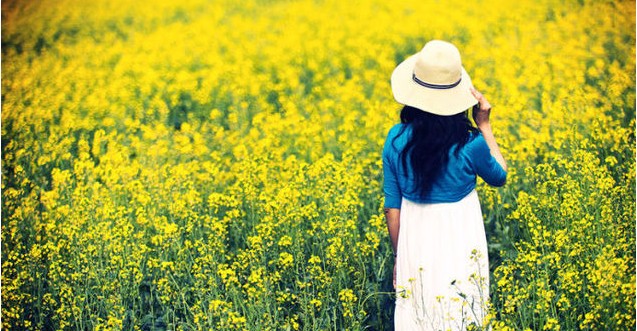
[[438, 63]]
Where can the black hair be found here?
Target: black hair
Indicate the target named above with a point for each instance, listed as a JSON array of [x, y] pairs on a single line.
[[432, 136]]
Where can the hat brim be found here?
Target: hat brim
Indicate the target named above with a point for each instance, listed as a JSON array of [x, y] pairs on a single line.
[[444, 102]]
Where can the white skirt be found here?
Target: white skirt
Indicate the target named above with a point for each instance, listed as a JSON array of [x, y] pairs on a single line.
[[442, 267]]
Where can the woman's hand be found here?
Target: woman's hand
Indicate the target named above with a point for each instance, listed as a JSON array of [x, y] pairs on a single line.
[[394, 275], [482, 110]]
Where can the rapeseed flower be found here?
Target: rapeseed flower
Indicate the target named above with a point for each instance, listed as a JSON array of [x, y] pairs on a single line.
[[216, 165]]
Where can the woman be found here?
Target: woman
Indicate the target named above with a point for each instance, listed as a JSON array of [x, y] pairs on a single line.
[[430, 163]]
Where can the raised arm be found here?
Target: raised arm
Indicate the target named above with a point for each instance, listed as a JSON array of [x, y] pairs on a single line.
[[481, 115]]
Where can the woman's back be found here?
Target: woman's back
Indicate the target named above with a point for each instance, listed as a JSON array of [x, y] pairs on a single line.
[[455, 180]]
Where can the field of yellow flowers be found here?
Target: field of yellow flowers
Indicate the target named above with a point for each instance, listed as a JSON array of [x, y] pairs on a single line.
[[186, 165]]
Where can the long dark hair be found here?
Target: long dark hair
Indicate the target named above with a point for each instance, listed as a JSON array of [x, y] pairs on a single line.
[[432, 136]]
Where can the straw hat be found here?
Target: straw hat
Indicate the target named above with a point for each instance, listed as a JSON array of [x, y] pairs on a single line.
[[433, 80]]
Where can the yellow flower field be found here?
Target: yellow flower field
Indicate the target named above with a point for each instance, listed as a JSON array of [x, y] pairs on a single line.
[[186, 165]]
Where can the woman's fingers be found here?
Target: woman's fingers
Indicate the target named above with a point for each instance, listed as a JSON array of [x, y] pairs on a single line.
[[475, 93], [482, 101]]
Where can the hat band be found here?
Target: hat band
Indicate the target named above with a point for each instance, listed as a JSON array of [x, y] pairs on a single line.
[[435, 86]]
